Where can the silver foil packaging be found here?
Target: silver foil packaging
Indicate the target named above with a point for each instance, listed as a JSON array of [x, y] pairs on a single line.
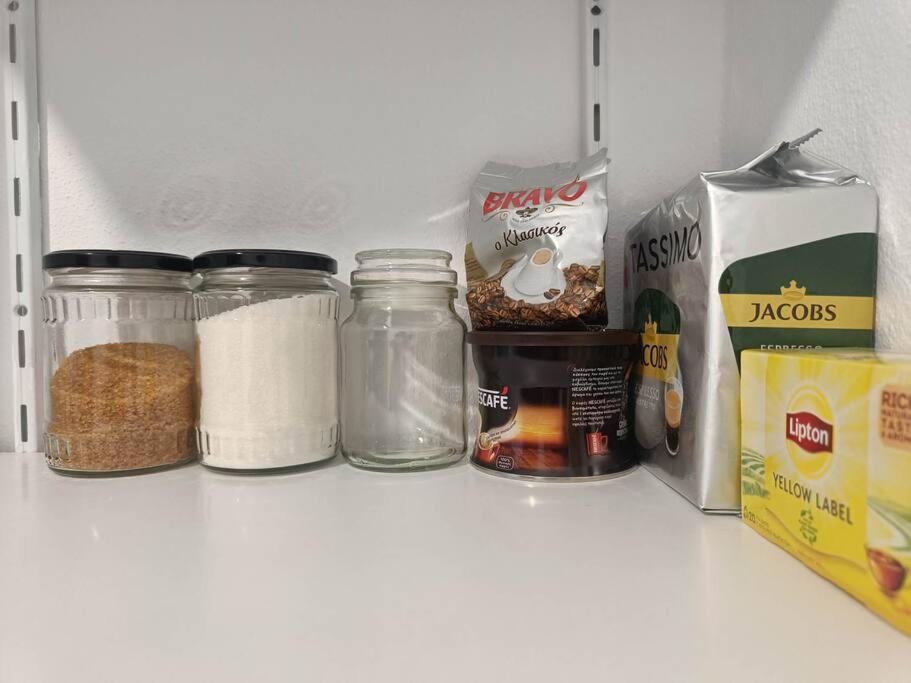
[[780, 253], [535, 256]]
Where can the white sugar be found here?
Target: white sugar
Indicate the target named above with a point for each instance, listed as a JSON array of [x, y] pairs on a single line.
[[268, 383]]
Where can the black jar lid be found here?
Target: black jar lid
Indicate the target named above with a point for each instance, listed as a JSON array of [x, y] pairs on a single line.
[[116, 258], [265, 258]]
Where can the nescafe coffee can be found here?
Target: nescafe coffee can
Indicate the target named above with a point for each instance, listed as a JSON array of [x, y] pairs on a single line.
[[554, 404]]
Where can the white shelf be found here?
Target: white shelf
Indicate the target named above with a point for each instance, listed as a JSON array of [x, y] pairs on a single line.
[[454, 575]]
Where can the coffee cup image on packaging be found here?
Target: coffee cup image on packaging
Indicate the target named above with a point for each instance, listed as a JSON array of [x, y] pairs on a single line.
[[673, 410], [596, 443], [536, 279], [487, 448]]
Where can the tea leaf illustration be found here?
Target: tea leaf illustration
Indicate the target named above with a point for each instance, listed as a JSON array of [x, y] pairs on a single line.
[[752, 469], [750, 488]]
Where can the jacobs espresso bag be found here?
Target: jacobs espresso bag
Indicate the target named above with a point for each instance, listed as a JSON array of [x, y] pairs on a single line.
[[778, 254], [535, 256]]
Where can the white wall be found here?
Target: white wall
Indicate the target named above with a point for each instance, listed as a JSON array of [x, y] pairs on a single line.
[[843, 66], [328, 126], [664, 85]]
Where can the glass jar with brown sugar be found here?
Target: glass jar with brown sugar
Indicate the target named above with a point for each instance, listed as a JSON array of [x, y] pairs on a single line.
[[120, 361]]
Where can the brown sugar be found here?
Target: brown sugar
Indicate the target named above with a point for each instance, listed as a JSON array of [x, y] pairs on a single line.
[[121, 406]]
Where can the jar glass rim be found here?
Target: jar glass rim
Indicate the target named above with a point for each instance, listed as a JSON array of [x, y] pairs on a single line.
[[385, 267], [114, 270], [406, 253], [262, 270], [237, 278], [108, 278]]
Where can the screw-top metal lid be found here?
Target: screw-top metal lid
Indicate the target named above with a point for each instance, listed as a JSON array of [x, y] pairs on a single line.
[[266, 258], [111, 258]]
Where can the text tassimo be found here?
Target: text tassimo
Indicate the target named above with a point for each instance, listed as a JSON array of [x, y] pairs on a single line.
[[677, 246]]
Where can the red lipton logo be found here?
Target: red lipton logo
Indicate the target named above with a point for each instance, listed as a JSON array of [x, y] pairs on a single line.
[[809, 432], [519, 199]]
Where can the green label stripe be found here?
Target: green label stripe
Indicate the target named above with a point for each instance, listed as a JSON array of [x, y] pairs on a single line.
[[837, 266], [843, 266], [655, 306]]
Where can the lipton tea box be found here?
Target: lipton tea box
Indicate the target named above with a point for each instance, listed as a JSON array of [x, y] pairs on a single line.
[[826, 466]]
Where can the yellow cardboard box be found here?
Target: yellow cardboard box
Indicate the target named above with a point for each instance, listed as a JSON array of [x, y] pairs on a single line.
[[826, 466]]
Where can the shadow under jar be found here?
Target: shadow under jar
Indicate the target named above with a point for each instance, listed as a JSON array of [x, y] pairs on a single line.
[[403, 359], [268, 358], [119, 361]]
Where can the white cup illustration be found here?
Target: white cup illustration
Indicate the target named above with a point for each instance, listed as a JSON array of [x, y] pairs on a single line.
[[539, 272]]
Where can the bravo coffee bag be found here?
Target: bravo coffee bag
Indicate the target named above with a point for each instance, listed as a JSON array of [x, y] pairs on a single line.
[[535, 256]]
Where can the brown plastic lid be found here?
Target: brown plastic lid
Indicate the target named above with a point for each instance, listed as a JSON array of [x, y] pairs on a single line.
[[596, 338]]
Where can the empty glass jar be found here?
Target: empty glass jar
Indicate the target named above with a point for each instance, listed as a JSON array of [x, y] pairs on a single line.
[[403, 362], [120, 369]]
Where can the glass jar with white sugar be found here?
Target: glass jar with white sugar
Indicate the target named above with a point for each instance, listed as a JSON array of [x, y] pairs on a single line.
[[266, 336]]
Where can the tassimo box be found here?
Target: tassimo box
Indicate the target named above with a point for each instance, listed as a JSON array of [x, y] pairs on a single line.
[[778, 254], [826, 467]]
